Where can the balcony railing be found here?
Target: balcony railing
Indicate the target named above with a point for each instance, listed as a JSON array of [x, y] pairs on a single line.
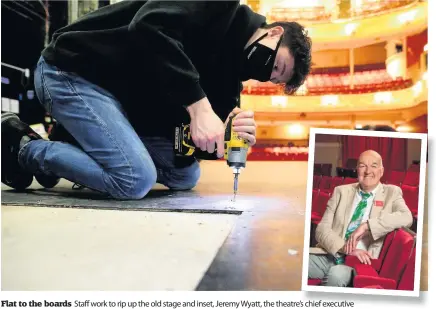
[[339, 83], [343, 10]]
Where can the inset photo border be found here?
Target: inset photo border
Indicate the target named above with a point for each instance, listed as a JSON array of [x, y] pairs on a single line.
[[348, 246]]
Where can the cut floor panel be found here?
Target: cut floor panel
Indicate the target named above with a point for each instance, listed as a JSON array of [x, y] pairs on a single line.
[[156, 200], [77, 249]]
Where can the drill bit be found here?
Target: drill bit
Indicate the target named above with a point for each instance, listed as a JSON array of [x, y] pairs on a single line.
[[235, 186]]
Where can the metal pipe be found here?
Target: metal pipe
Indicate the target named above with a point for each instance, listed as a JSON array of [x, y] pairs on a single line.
[[25, 71]]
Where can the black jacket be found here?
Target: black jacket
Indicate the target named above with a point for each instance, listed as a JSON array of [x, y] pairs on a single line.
[[156, 57]]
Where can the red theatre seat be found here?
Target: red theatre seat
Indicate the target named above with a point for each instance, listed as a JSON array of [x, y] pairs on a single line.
[[314, 209], [410, 195], [396, 177], [334, 82], [320, 207], [411, 179], [324, 185], [392, 266], [413, 168], [336, 181], [303, 156], [316, 181], [349, 180], [407, 281], [315, 193], [314, 196], [314, 282]]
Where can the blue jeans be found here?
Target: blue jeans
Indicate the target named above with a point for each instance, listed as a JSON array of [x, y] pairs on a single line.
[[113, 158]]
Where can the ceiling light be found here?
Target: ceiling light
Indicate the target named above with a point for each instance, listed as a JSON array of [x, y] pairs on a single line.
[[395, 66], [350, 29], [407, 17], [329, 100], [295, 129], [404, 129], [279, 101], [417, 89], [383, 97]]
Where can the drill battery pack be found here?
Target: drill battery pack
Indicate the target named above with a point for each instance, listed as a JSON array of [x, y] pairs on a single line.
[[184, 145]]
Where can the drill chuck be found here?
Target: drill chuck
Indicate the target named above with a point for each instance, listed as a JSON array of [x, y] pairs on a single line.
[[237, 157]]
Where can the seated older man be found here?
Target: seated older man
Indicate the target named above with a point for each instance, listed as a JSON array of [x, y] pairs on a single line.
[[357, 218]]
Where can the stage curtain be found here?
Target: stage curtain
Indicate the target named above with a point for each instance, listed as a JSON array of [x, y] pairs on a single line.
[[392, 150]]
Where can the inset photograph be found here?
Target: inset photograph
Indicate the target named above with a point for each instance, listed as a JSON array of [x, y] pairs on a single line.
[[364, 212]]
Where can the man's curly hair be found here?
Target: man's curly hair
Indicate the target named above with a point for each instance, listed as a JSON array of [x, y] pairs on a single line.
[[296, 38]]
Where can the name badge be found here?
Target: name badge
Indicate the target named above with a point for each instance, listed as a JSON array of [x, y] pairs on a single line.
[[379, 203]]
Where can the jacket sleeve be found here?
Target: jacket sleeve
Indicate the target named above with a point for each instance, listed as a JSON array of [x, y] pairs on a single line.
[[401, 216], [159, 28], [326, 237]]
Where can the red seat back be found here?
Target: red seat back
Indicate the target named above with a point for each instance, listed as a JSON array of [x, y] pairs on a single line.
[[410, 195], [386, 244], [398, 255], [322, 201], [316, 181], [413, 168], [314, 281], [411, 179], [314, 199], [396, 177], [349, 180], [325, 183], [407, 281], [336, 181]]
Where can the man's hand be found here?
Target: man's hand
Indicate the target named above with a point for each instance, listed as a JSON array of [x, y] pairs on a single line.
[[358, 234], [207, 129], [363, 256], [244, 124]]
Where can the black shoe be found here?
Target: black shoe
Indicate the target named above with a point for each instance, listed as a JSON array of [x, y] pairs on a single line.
[[47, 181], [16, 134], [13, 175]]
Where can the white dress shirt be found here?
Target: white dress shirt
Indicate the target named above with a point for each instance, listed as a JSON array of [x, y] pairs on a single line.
[[364, 242]]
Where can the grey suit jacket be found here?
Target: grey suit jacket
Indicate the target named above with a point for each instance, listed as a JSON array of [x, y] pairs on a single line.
[[389, 212]]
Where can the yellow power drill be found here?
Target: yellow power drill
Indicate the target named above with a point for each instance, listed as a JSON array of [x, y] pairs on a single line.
[[235, 149]]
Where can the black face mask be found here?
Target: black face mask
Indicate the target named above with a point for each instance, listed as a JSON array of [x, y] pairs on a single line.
[[258, 61]]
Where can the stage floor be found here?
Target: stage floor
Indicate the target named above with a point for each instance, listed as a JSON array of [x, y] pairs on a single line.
[[64, 239]]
